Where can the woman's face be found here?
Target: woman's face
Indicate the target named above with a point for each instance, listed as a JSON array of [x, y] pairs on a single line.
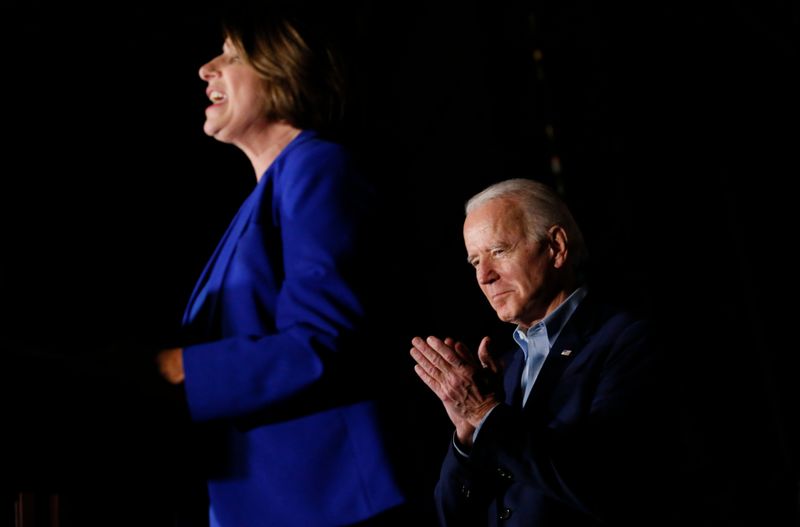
[[236, 93]]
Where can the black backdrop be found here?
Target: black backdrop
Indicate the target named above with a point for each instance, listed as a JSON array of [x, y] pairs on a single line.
[[674, 126]]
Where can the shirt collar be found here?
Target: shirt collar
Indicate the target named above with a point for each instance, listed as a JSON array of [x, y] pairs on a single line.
[[553, 323]]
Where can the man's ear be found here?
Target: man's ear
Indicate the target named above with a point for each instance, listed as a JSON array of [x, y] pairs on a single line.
[[559, 245]]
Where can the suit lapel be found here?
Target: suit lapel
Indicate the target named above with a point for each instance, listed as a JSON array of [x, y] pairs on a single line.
[[511, 379], [566, 350]]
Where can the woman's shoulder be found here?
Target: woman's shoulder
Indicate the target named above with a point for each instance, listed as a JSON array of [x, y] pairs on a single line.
[[312, 143], [311, 153], [314, 165]]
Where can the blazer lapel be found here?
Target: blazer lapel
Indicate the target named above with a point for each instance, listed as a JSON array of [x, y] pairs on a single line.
[[211, 278]]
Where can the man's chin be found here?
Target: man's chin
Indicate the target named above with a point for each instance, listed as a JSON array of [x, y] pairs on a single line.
[[504, 315]]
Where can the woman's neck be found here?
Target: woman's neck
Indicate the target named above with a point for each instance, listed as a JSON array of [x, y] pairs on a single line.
[[269, 146]]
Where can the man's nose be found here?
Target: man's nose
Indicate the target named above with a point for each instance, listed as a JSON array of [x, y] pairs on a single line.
[[486, 274]]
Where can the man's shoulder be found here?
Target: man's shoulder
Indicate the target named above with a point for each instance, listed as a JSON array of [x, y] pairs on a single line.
[[596, 312]]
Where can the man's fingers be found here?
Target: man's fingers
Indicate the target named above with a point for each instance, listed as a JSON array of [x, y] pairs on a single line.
[[466, 355], [487, 361], [440, 358], [431, 359], [424, 363], [446, 352]]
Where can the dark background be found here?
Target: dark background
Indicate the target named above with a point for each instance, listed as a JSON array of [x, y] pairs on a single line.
[[675, 128]]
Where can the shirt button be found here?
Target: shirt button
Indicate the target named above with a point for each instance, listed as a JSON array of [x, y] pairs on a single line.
[[504, 514]]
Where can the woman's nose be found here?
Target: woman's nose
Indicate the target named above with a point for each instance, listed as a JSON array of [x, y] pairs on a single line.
[[208, 69]]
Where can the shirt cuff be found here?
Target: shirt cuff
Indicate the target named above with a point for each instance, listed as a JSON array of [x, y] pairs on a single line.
[[461, 449]]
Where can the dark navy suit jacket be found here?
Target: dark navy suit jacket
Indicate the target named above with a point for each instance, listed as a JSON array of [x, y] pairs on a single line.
[[589, 447], [277, 322]]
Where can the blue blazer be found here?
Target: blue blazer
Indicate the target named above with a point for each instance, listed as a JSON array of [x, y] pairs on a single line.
[[588, 448], [276, 322]]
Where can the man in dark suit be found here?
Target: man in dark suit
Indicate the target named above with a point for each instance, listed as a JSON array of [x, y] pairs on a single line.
[[566, 429]]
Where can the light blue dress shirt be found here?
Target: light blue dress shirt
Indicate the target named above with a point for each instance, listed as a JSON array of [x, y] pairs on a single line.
[[537, 341]]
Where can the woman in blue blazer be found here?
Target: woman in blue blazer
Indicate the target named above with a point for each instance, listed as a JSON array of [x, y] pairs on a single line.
[[276, 322]]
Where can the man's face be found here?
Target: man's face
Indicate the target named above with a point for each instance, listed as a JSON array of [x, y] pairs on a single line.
[[512, 269]]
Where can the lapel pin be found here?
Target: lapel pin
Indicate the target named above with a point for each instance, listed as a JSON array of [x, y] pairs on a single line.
[[566, 353]]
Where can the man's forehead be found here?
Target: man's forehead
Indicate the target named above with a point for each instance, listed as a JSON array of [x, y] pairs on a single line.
[[497, 219]]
